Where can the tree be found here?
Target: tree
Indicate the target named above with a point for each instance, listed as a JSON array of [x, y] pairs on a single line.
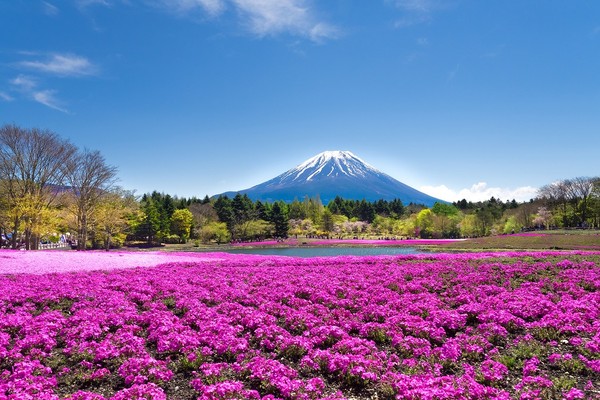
[[297, 210], [204, 213], [224, 210], [181, 223], [149, 227], [580, 190], [424, 223], [397, 208], [327, 221], [556, 194], [444, 219], [468, 226], [113, 216], [366, 211], [280, 220], [543, 218], [32, 172], [216, 231], [314, 209], [511, 225], [90, 178]]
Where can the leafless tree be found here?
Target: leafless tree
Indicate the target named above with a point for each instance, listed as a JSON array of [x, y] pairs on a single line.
[[203, 214], [577, 191], [580, 189], [31, 171], [90, 178]]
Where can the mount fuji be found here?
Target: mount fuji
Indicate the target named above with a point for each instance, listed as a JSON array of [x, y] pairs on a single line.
[[335, 173]]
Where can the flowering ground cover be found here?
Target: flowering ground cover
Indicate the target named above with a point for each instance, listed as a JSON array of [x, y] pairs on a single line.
[[464, 326], [43, 262], [385, 242], [588, 240]]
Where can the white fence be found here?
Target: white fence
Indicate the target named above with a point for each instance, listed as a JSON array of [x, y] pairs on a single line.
[[59, 245]]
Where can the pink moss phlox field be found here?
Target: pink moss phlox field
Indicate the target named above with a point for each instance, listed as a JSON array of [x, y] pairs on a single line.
[[530, 234], [42, 262], [441, 326], [385, 242]]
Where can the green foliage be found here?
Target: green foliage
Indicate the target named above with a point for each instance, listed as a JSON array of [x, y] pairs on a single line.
[[150, 226], [215, 231], [327, 221], [424, 223], [181, 223], [280, 220]]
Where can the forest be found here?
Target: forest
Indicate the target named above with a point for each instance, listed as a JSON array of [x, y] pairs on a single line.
[[52, 192]]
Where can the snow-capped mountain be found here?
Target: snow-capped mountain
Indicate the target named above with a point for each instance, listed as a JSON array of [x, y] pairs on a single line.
[[335, 173]]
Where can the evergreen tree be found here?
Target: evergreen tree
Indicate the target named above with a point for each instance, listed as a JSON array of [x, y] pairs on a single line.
[[366, 211], [150, 226], [279, 218], [397, 208], [297, 210], [261, 210], [224, 210], [243, 208]]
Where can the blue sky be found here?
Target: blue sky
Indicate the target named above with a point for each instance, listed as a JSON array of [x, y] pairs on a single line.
[[458, 98]]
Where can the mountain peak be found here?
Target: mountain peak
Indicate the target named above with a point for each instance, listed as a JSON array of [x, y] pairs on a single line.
[[336, 173], [332, 164]]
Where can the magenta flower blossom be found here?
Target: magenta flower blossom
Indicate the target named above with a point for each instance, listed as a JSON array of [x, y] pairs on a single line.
[[216, 326]]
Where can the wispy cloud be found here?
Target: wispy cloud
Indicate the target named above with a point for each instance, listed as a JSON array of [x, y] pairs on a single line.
[[87, 3], [211, 7], [50, 9], [480, 192], [415, 12], [271, 17], [5, 97], [23, 83], [62, 65], [28, 88], [46, 97], [452, 74], [260, 17], [423, 41], [422, 6]]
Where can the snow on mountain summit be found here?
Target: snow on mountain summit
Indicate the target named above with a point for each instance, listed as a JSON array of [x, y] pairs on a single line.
[[329, 164]]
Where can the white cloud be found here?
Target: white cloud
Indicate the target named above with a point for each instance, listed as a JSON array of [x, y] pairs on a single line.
[[50, 9], [87, 3], [5, 97], [211, 7], [416, 12], [62, 64], [46, 97], [261, 17], [24, 83], [268, 17], [27, 86], [480, 192], [422, 6]]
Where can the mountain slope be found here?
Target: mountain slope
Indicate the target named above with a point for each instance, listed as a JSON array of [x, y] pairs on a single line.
[[335, 173]]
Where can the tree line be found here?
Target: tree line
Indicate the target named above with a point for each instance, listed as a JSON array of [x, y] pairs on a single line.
[[47, 184], [52, 191]]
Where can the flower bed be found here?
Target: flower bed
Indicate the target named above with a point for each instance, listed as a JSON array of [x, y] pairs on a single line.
[[43, 262], [478, 326], [384, 242]]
